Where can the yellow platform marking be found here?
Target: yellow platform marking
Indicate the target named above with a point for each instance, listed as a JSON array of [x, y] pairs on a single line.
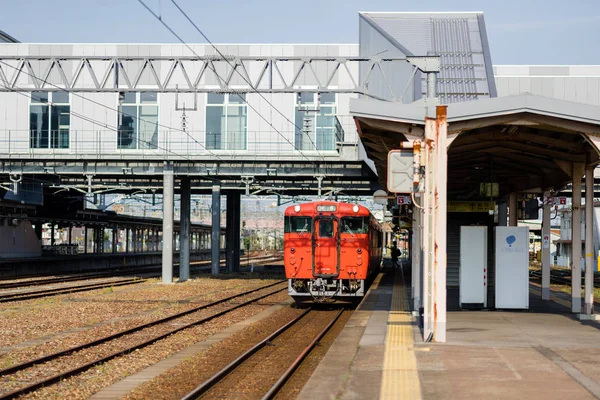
[[400, 374]]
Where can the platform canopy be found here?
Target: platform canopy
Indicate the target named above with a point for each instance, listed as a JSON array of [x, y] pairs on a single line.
[[525, 143]]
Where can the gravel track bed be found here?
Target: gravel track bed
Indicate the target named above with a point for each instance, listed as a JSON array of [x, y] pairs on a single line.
[[91, 381], [254, 378], [179, 381], [19, 379], [291, 389], [68, 322], [65, 285]]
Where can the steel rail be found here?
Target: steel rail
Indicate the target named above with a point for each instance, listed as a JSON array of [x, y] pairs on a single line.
[[65, 290], [286, 375], [196, 265], [564, 280], [62, 375], [27, 364], [210, 382], [48, 281]]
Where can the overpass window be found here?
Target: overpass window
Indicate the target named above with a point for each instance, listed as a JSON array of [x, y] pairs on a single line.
[[138, 124], [316, 123], [49, 120], [226, 118]]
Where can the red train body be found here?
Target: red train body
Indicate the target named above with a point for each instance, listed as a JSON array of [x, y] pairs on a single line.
[[331, 250]]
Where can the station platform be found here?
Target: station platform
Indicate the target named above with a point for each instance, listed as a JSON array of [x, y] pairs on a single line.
[[62, 264], [542, 353]]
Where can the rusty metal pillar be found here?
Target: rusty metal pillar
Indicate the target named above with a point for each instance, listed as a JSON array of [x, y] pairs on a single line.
[[577, 175], [428, 224], [546, 239], [513, 209], [440, 218], [589, 240]]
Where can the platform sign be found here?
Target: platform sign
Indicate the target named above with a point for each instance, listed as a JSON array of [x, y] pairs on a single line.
[[512, 267], [400, 171], [471, 206], [560, 200], [404, 200], [546, 242]]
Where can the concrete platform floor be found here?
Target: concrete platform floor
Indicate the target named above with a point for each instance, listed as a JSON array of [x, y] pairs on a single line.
[[512, 355], [543, 353]]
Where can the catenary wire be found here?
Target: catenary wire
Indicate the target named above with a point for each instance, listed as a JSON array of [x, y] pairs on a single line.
[[228, 86], [242, 76]]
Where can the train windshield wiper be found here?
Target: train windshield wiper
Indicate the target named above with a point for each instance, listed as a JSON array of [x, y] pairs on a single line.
[[304, 230], [348, 229]]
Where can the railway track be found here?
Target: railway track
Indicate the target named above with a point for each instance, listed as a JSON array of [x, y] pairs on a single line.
[[264, 369], [13, 296], [563, 278], [29, 295], [102, 350], [194, 266]]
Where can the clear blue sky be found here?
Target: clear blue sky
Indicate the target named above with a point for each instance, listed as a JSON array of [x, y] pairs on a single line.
[[519, 31]]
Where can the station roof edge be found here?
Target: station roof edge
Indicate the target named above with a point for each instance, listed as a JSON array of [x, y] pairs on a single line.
[[478, 109]]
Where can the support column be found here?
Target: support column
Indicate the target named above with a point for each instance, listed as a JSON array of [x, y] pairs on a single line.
[[428, 231], [513, 209], [232, 241], [546, 247], [38, 229], [126, 240], [184, 230], [576, 240], [85, 239], [114, 240], [589, 240], [416, 259], [216, 228], [168, 204], [95, 240], [440, 218], [52, 234], [70, 235], [502, 213]]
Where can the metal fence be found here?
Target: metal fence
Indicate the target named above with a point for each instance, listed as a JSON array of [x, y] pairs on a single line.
[[177, 144]]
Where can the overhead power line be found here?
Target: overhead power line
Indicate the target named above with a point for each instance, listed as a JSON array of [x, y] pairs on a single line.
[[228, 86]]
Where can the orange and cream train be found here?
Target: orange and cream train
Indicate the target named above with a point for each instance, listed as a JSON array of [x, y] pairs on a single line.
[[332, 250]]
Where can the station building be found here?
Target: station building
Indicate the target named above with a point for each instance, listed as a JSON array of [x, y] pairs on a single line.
[[294, 119]]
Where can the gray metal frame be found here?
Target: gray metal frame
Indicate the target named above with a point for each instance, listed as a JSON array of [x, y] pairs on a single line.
[[122, 82]]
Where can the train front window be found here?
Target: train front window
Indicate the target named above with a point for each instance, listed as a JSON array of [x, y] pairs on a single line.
[[326, 228], [297, 224], [355, 225]]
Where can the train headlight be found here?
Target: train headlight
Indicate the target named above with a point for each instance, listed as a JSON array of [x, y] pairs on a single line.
[[297, 208], [359, 250], [292, 250], [355, 209]]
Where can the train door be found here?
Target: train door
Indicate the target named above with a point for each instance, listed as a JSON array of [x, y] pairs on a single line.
[[326, 249]]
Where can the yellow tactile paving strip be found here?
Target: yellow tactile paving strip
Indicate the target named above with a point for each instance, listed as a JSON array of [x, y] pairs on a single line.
[[400, 374]]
